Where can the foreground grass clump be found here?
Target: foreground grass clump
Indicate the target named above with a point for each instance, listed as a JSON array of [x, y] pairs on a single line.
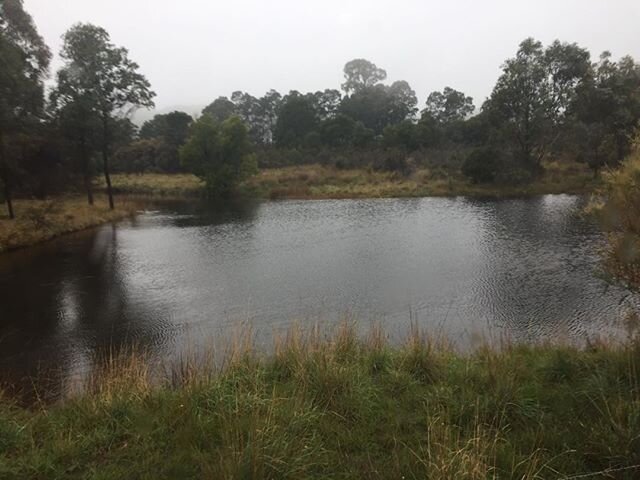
[[40, 220], [318, 181], [340, 407]]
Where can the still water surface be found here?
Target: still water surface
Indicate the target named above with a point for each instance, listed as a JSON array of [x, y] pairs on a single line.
[[170, 278]]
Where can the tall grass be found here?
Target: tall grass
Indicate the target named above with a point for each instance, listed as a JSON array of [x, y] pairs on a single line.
[[340, 405], [322, 181]]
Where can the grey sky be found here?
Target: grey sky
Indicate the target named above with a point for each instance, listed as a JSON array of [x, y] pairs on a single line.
[[195, 50]]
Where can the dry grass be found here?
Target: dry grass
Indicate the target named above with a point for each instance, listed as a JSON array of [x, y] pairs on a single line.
[[317, 181], [157, 184], [40, 220], [617, 205]]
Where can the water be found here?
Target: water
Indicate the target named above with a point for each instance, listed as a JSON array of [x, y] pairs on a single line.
[[171, 278]]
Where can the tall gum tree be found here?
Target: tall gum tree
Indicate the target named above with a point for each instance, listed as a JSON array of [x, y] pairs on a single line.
[[103, 75], [24, 63]]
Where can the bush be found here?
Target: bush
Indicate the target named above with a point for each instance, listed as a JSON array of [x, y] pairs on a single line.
[[396, 161], [619, 215], [219, 153], [483, 165]]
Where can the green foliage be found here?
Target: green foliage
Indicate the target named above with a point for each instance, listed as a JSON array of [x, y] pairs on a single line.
[[219, 154], [297, 118], [448, 106], [532, 98], [220, 109], [144, 155], [171, 130], [483, 165], [24, 60], [360, 74], [105, 82]]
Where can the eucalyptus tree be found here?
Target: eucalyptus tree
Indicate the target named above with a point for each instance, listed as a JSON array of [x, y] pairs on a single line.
[[24, 61], [448, 106], [220, 109], [173, 129], [532, 98], [360, 74], [101, 75]]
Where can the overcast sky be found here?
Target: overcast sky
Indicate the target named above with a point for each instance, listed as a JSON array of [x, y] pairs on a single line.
[[193, 51]]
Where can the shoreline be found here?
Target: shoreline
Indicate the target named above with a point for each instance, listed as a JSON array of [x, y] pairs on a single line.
[[39, 221], [341, 406]]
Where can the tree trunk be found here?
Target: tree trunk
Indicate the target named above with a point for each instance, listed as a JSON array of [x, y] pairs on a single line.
[[4, 176], [88, 187], [87, 177], [105, 160], [7, 197]]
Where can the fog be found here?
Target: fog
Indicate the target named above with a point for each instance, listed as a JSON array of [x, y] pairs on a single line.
[[195, 50]]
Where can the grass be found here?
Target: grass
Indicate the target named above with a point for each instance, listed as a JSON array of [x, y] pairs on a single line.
[[157, 184], [341, 406], [40, 220], [316, 181]]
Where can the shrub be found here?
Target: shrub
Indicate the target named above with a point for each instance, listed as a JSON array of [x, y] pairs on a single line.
[[483, 165], [219, 153]]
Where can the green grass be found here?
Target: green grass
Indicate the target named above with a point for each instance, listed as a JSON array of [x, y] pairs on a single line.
[[342, 407]]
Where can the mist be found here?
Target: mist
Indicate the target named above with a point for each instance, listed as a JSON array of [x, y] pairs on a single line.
[[194, 51]]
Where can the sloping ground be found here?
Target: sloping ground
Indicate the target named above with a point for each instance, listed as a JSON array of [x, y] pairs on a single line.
[[343, 408], [40, 220]]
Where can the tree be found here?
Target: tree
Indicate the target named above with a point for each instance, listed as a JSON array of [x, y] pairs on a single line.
[[327, 103], [607, 111], [219, 153], [483, 165], [405, 135], [220, 109], [140, 156], [297, 118], [79, 126], [173, 129], [338, 131], [103, 74], [403, 102], [531, 100], [448, 106], [360, 74], [24, 60]]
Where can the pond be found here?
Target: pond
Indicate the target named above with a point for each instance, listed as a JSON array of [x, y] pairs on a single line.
[[171, 278]]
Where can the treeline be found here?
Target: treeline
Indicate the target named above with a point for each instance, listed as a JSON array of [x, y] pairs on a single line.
[[549, 102], [50, 138]]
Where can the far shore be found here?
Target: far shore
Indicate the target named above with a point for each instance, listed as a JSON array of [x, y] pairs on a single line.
[[41, 220]]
